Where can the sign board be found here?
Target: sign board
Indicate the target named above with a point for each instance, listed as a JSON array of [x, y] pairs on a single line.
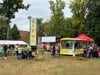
[[33, 32], [49, 39]]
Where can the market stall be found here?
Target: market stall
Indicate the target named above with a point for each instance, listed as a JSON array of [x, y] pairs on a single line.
[[71, 46]]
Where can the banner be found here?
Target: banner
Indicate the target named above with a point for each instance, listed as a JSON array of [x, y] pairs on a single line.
[[33, 32], [49, 39]]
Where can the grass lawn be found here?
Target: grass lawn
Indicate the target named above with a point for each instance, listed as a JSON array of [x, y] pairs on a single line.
[[59, 65]]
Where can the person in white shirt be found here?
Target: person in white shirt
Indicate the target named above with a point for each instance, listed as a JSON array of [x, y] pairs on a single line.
[[48, 47], [19, 52]]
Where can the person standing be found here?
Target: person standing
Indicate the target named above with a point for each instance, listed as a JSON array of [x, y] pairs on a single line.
[[95, 52], [98, 51], [1, 48], [54, 50], [16, 49], [5, 51], [48, 48], [59, 46], [91, 51], [19, 52], [51, 49], [29, 50], [25, 51], [95, 47]]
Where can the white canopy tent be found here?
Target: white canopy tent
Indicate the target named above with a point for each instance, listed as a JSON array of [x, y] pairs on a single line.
[[12, 42]]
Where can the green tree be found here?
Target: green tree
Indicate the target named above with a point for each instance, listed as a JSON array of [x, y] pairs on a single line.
[[44, 29], [78, 8], [93, 19], [40, 27], [3, 28], [49, 28], [86, 18], [15, 33], [68, 27], [9, 8], [57, 17]]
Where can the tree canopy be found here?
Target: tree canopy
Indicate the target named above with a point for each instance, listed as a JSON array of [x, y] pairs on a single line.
[[57, 17], [78, 8], [15, 33], [3, 28], [10, 7], [86, 17]]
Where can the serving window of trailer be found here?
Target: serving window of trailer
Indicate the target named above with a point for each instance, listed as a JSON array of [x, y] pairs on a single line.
[[78, 44], [66, 44]]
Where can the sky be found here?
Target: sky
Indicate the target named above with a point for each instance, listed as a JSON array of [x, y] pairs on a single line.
[[38, 9]]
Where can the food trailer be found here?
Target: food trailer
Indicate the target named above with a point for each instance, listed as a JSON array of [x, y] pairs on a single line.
[[71, 46]]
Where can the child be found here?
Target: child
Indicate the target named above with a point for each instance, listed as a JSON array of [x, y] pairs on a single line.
[[87, 51], [33, 54], [98, 51]]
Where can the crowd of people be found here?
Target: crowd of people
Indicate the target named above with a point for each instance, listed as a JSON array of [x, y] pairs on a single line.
[[25, 51], [20, 51], [91, 51], [52, 49]]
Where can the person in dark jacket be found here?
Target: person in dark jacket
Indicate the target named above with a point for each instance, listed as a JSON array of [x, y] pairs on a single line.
[[5, 51], [54, 50], [95, 52]]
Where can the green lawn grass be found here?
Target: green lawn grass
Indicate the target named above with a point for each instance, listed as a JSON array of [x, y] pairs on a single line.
[[50, 65]]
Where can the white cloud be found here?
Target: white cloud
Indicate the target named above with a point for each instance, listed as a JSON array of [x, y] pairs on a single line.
[[38, 9], [1, 1]]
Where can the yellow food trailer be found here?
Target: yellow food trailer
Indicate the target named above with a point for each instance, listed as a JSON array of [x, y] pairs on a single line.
[[71, 46]]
